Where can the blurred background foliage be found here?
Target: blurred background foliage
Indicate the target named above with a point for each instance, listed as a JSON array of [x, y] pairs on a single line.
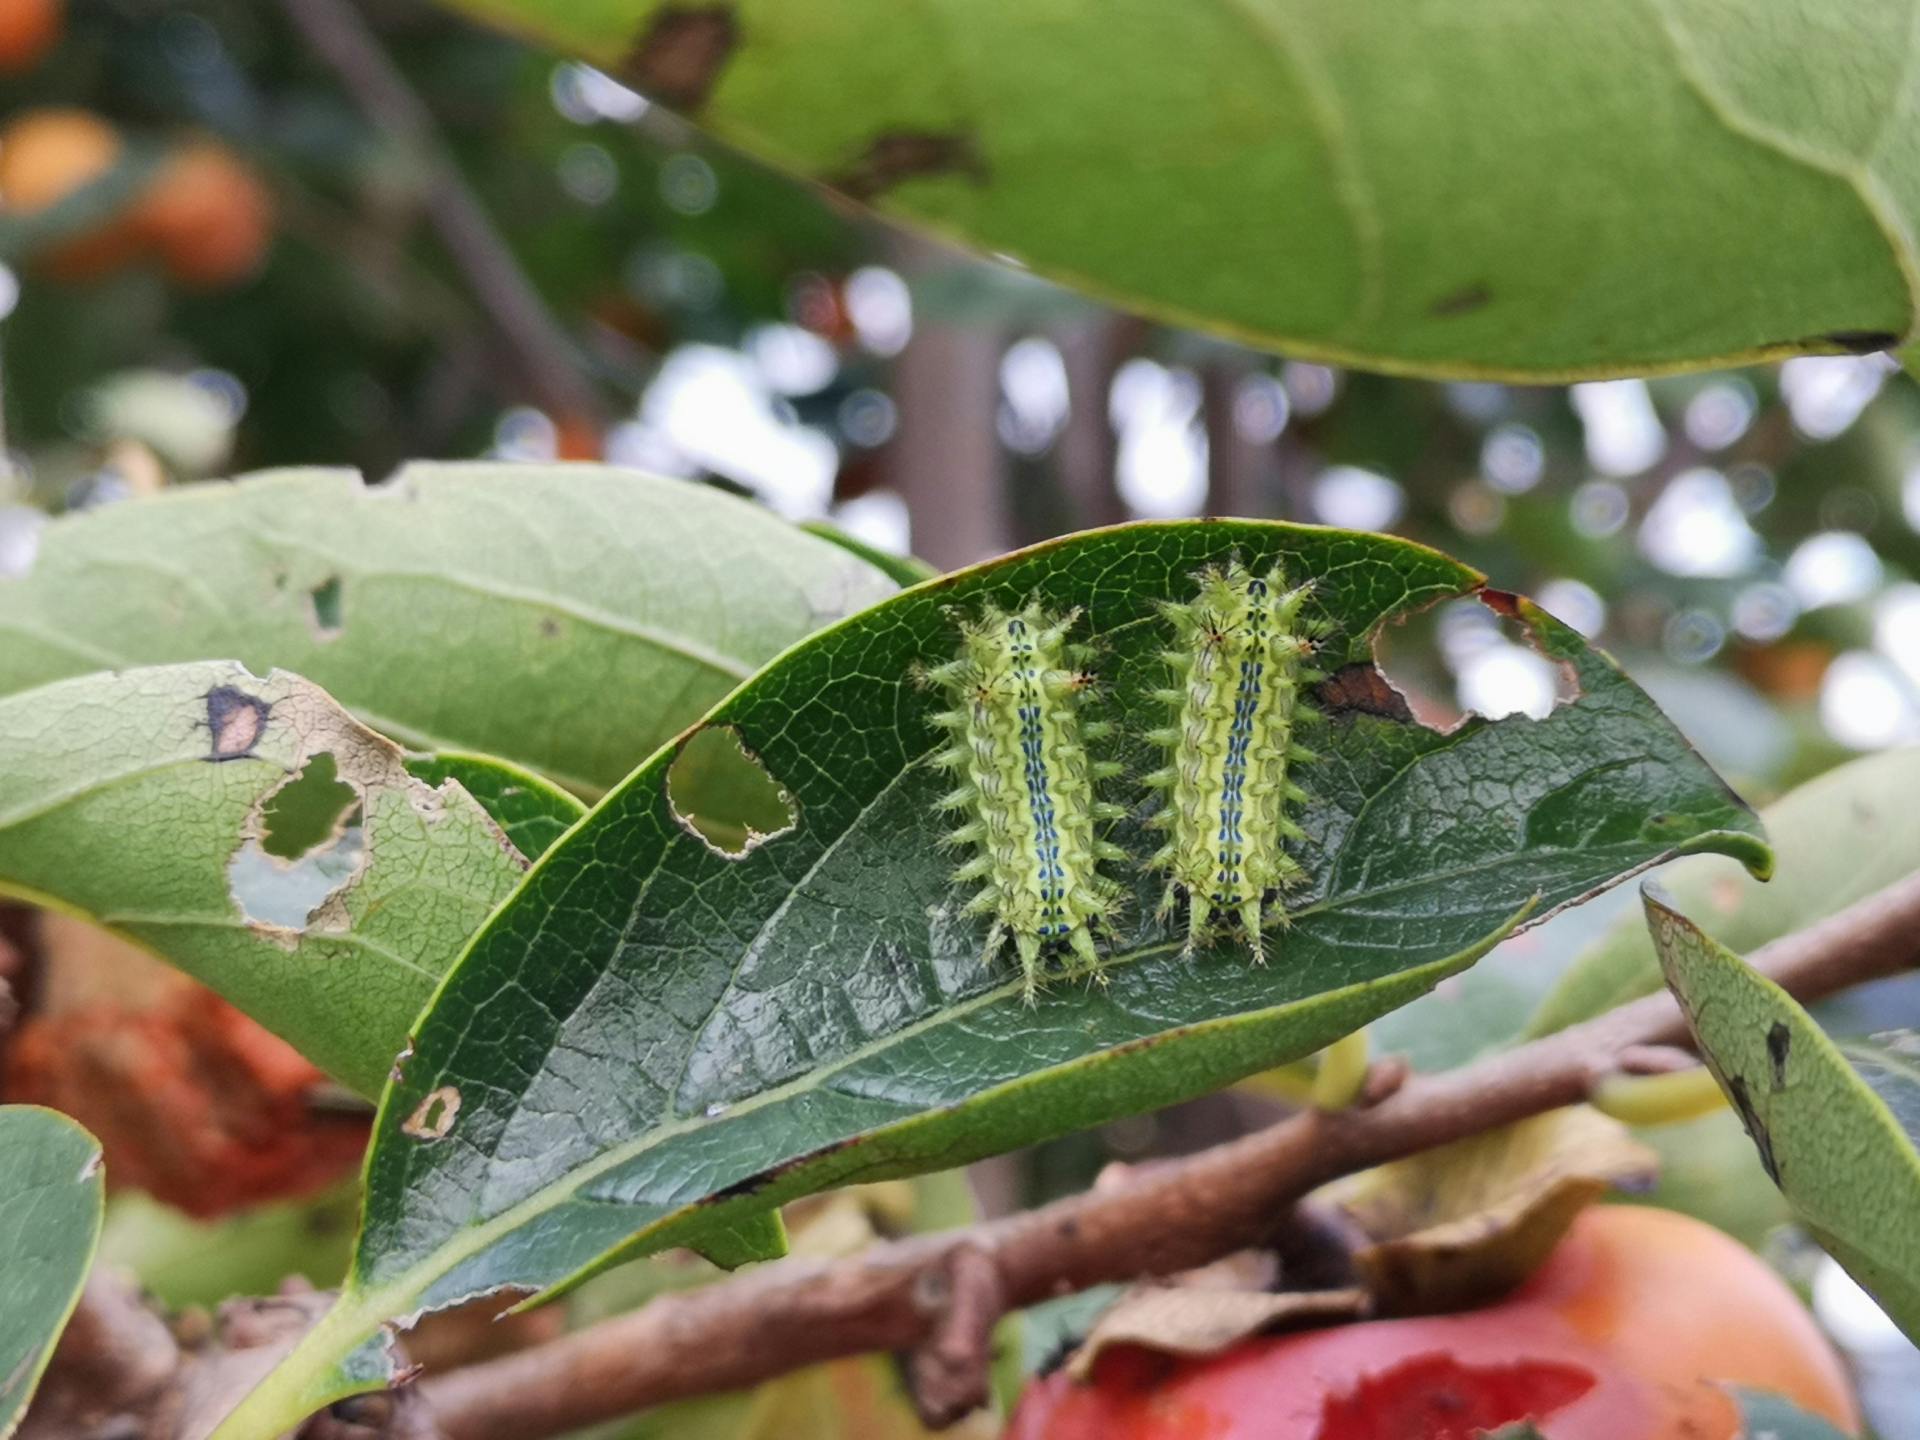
[[236, 235]]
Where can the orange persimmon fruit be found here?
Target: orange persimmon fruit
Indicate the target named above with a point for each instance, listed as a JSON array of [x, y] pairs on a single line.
[[1628, 1331]]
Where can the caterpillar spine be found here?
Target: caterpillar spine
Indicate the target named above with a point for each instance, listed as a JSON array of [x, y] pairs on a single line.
[[1240, 666], [1017, 744]]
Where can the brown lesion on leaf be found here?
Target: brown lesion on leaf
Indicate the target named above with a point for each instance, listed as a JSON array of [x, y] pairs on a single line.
[[679, 58], [433, 1117], [1464, 301], [1756, 1128], [1779, 1044], [1361, 689], [236, 721], [900, 155]]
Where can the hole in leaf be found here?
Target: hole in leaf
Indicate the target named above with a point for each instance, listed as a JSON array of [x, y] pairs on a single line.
[[725, 796], [1437, 1397], [434, 1116], [311, 845], [303, 813], [324, 600], [1472, 656]]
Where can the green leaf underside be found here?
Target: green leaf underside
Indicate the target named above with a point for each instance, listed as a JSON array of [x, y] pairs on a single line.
[[118, 804], [51, 1201], [711, 1036], [569, 619], [1772, 1417], [1839, 837], [530, 811], [1491, 187], [1835, 1125]]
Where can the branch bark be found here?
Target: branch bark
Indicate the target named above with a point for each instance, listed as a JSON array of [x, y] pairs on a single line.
[[541, 351], [936, 1296]]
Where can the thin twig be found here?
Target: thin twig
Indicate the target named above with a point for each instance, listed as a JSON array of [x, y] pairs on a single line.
[[1163, 1218], [547, 359]]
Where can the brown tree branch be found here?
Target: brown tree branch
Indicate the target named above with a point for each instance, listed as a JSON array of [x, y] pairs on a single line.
[[936, 1296], [546, 358]]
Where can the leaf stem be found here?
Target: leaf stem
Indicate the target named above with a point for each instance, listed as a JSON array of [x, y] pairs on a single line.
[[1159, 1219]]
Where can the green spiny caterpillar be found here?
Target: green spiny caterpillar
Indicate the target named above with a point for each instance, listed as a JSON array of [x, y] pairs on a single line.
[[1240, 666], [1018, 744]]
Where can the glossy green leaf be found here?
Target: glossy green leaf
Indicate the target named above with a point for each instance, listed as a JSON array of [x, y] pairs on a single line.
[[1835, 1125], [652, 1036], [1838, 838], [140, 801], [51, 1197], [1489, 187], [531, 811], [569, 619]]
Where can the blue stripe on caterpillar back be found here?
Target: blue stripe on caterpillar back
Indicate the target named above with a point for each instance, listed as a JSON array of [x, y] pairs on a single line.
[[1241, 663], [1018, 746]]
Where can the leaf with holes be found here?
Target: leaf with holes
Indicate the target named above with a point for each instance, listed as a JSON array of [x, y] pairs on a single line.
[[1488, 187], [532, 812], [653, 1029], [51, 1202], [1840, 837], [569, 619], [1836, 1125], [254, 834]]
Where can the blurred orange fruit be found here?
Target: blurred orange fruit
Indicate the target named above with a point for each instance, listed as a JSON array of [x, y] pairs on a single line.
[[28, 30], [47, 155], [207, 215]]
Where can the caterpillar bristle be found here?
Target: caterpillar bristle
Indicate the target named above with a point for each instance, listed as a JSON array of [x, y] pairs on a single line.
[[1239, 680], [1017, 691]]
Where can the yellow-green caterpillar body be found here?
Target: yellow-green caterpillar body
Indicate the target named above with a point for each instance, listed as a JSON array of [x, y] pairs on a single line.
[[1018, 745], [1241, 665]]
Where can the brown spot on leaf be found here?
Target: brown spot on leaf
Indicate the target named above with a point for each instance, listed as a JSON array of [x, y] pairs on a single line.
[[433, 1117], [1463, 301], [236, 720], [1361, 689], [1779, 1043], [1501, 602], [901, 155], [1756, 1128], [682, 53], [753, 1184]]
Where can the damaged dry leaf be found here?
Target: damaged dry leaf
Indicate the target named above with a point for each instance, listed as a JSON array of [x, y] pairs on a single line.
[[1464, 1223], [730, 1033], [190, 1100], [140, 801], [532, 811], [1206, 1311], [51, 1201], [1836, 1125]]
